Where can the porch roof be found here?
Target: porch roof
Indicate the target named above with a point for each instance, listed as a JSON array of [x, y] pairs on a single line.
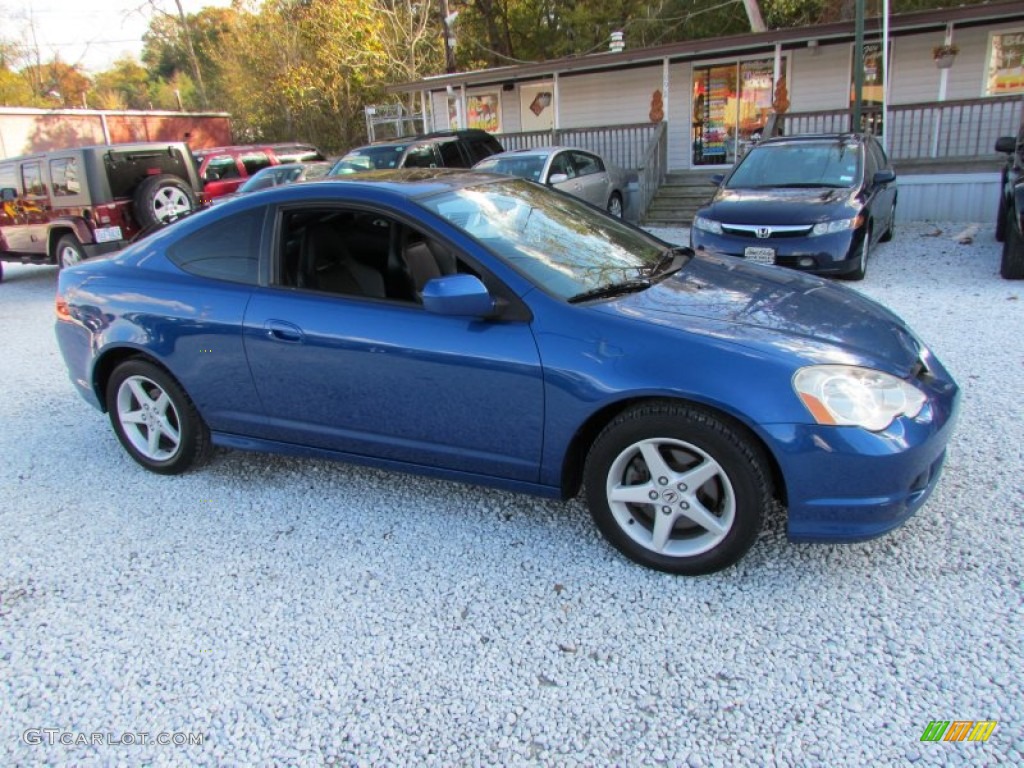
[[755, 42]]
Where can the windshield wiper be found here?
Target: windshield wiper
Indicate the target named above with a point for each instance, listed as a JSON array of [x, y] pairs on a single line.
[[670, 261], [610, 290]]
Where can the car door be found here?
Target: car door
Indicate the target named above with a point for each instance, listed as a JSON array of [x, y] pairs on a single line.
[[591, 178], [31, 211], [561, 165], [378, 375]]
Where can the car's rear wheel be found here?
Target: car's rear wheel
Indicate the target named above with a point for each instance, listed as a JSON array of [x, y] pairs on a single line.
[[676, 488], [160, 199], [615, 205], [861, 263], [69, 252], [154, 418], [1012, 265]]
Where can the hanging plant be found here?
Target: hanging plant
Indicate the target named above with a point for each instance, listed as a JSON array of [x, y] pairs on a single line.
[[943, 51]]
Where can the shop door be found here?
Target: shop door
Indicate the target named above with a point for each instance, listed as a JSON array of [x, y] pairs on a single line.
[[731, 103]]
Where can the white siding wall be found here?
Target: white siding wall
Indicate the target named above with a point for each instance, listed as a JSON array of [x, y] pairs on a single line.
[[948, 197], [679, 115], [819, 81], [608, 98]]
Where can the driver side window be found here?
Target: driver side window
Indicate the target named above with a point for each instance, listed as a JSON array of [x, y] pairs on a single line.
[[361, 254]]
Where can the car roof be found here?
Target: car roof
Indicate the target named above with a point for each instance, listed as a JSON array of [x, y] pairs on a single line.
[[250, 147], [805, 138]]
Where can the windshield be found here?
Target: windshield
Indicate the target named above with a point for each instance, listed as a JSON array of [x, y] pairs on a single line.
[[524, 167], [560, 244], [802, 164], [368, 159]]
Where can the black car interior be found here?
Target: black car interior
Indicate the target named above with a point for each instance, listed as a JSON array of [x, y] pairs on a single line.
[[361, 254]]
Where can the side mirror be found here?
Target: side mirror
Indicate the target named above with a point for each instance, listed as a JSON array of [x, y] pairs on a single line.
[[717, 178], [1007, 144], [557, 178], [8, 194], [460, 295], [884, 177]]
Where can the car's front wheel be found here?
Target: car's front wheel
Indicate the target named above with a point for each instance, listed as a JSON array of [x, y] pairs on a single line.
[[615, 205], [154, 418], [1012, 265], [860, 267], [890, 230], [69, 251], [677, 488]]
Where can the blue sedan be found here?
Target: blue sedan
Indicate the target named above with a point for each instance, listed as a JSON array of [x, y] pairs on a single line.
[[482, 328]]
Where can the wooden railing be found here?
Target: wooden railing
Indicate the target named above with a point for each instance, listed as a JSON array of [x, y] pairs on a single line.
[[652, 170], [935, 129], [623, 145]]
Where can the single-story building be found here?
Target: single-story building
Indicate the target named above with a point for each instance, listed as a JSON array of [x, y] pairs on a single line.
[[951, 82]]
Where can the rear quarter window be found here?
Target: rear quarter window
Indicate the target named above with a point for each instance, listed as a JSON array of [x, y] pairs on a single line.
[[228, 250]]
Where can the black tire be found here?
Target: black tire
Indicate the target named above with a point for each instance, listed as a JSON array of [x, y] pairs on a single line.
[[161, 199], [162, 454], [615, 207], [1001, 214], [891, 231], [1, 271], [1012, 265], [69, 252], [863, 253], [732, 501]]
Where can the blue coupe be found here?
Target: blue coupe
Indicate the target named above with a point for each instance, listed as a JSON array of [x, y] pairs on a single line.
[[486, 329]]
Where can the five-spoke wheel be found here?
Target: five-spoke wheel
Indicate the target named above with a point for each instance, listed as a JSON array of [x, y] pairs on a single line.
[[677, 488], [154, 418]]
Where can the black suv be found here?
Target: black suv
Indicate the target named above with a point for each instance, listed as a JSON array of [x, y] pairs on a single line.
[[62, 206], [1010, 219], [443, 149]]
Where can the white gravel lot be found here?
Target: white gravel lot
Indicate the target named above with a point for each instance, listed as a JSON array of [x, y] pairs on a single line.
[[297, 612]]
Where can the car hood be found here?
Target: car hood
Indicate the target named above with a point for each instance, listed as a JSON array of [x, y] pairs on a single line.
[[776, 310], [779, 205]]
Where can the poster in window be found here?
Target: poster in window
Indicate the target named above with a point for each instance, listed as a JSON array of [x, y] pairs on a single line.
[[1005, 63], [483, 111]]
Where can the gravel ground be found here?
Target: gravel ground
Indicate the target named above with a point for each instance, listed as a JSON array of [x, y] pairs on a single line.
[[300, 612]]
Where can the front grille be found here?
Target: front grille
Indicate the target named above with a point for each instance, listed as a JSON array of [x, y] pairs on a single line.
[[774, 232]]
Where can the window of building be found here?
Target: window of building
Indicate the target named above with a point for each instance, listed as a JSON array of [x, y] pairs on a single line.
[[1005, 72]]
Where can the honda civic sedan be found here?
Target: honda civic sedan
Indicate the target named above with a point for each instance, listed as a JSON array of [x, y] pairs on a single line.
[[814, 203], [484, 329]]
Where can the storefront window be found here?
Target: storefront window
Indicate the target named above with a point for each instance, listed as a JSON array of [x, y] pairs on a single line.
[[1005, 73], [731, 104]]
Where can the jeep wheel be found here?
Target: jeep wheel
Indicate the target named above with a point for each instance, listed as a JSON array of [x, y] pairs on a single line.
[[160, 199], [69, 252]]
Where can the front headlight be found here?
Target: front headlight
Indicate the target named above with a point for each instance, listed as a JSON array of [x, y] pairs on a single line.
[[845, 395], [839, 225], [708, 225]]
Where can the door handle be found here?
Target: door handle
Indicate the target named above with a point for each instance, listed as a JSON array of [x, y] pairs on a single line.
[[282, 331]]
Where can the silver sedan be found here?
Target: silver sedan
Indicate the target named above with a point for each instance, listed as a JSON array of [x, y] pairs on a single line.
[[578, 172]]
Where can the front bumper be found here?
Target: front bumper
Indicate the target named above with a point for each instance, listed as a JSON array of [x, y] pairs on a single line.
[[849, 484], [834, 254]]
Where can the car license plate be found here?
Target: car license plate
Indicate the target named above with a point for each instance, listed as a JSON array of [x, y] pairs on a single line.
[[759, 255], [108, 234]]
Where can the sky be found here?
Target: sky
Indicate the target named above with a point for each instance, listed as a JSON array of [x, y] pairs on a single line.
[[94, 33]]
